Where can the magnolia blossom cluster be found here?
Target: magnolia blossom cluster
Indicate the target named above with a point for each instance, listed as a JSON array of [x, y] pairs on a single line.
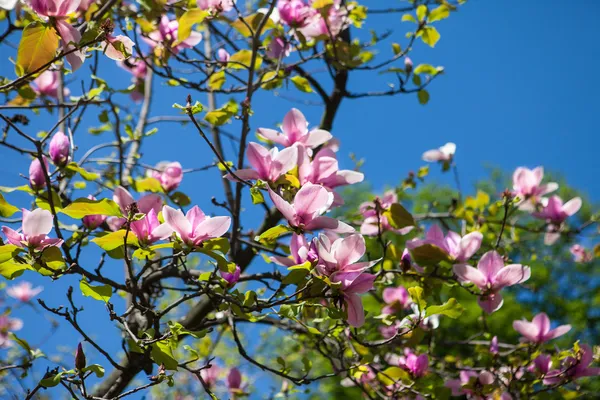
[[233, 379], [302, 17]]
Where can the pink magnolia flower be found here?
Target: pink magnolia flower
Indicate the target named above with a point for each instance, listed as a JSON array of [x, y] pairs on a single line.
[[118, 48], [294, 12], [278, 48], [490, 277], [444, 153], [136, 67], [231, 278], [416, 365], [34, 232], [59, 150], [7, 325], [59, 10], [149, 230], [538, 330], [373, 223], [46, 84], [223, 55], [37, 178], [210, 375], [555, 213], [581, 254], [342, 254], [234, 380], [465, 377], [301, 252], [23, 291], [459, 248], [124, 199], [315, 26], [306, 210], [354, 283], [169, 174], [166, 35], [93, 221], [324, 169], [541, 365], [396, 299], [195, 227], [295, 130], [494, 349], [574, 367], [527, 184], [267, 165], [216, 6]]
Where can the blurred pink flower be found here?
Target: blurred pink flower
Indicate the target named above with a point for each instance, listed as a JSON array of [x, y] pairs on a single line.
[[23, 291]]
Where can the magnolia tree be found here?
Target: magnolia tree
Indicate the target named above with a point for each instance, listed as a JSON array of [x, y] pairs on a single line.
[[422, 292]]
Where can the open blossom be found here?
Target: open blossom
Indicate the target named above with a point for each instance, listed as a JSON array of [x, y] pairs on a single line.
[[23, 291], [541, 365], [444, 153], [46, 84], [118, 47], [416, 365], [124, 199], [295, 130], [307, 209], [234, 380], [95, 220], [8, 325], [195, 227], [267, 165], [294, 12], [37, 178], [59, 149], [465, 377], [372, 223], [396, 299], [216, 6], [538, 330], [317, 26], [459, 248], [352, 284], [324, 169], [166, 35], [149, 230], [223, 55], [490, 277], [34, 231], [301, 252], [136, 67], [581, 254], [231, 278], [574, 367], [527, 184], [278, 48], [555, 213], [169, 174], [59, 10]]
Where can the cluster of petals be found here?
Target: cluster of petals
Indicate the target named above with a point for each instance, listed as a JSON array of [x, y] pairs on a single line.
[[294, 129], [124, 199], [574, 367], [374, 221], [527, 185], [169, 174], [267, 165], [34, 231], [301, 251], [538, 330], [47, 83], [460, 249], [195, 227], [307, 20], [24, 291], [416, 365], [443, 154], [395, 299], [167, 35]]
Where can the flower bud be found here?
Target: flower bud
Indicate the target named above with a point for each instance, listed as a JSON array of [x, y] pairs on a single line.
[[494, 345], [80, 358], [408, 65], [223, 55], [93, 221], [231, 278], [234, 379], [59, 149], [37, 178]]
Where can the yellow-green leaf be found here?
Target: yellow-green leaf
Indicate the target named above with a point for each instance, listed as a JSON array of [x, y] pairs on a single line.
[[421, 12], [301, 84], [38, 46], [270, 236], [429, 35], [391, 375], [426, 69], [451, 308], [253, 21], [148, 184], [8, 252], [428, 254], [187, 20], [243, 58], [88, 176], [6, 209], [216, 80], [416, 294], [439, 13], [84, 207], [399, 217], [11, 269], [101, 292], [116, 239], [423, 96]]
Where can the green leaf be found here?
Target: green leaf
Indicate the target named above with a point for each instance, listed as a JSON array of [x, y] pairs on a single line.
[[222, 262], [253, 21], [116, 239], [23, 188], [142, 254], [399, 217], [96, 369], [6, 209], [301, 84], [187, 20], [426, 69], [102, 292], [295, 277], [452, 308], [408, 18], [42, 201], [396, 48], [429, 35], [37, 47], [88, 176], [216, 80], [416, 294], [51, 381], [243, 57], [421, 12], [270, 236], [8, 252], [391, 375], [11, 269], [423, 96], [148, 184], [83, 207], [438, 14], [257, 196], [217, 117], [181, 199], [163, 354], [217, 244], [428, 254]]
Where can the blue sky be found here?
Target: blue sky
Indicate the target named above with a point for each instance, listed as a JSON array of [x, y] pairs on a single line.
[[519, 88]]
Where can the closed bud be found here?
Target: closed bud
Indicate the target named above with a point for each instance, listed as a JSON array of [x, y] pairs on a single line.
[[37, 179], [408, 65], [223, 55], [80, 358], [231, 278], [59, 149]]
